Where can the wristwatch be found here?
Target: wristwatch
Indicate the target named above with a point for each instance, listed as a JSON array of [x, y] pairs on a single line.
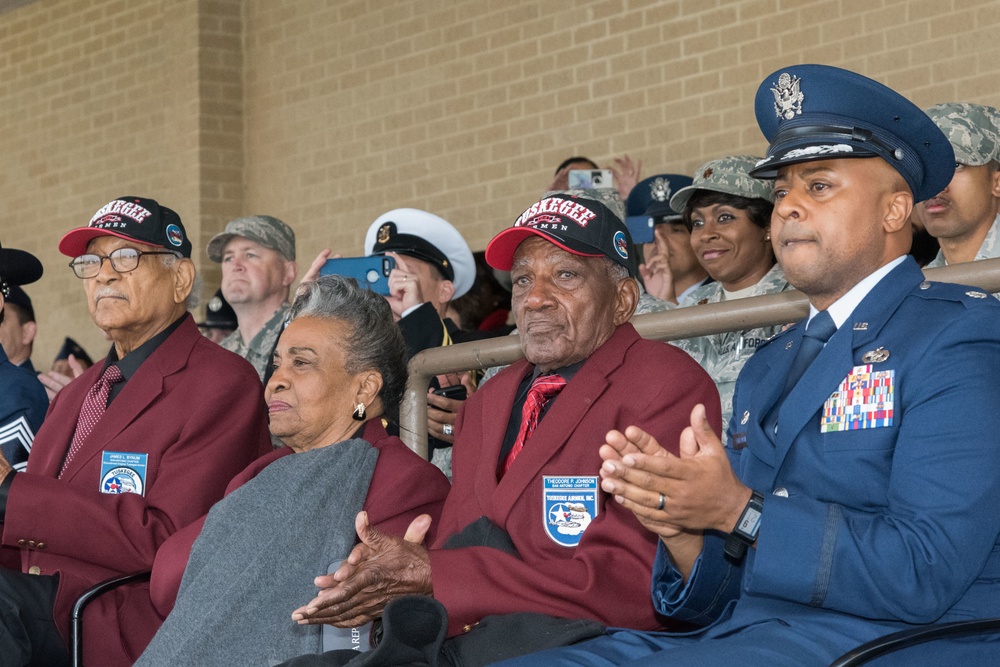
[[745, 532]]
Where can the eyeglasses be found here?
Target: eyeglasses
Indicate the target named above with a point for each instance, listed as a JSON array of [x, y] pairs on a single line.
[[123, 260]]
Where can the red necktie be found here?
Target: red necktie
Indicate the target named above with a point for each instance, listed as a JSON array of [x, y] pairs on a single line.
[[94, 405], [541, 392]]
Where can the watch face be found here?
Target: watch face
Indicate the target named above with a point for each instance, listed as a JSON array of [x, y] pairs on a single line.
[[749, 523]]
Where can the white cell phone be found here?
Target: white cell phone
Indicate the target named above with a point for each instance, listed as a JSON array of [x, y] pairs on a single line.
[[591, 179]]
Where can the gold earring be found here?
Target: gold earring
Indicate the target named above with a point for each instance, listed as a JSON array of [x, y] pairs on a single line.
[[359, 412]]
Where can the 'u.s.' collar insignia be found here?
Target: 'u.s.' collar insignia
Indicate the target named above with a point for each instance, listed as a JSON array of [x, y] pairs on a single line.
[[876, 356], [384, 232], [788, 345], [861, 326], [659, 189], [215, 304], [745, 418], [788, 96], [975, 294]]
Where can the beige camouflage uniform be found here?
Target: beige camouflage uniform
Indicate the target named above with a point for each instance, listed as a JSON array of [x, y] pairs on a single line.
[[974, 133], [258, 350], [270, 233], [723, 355]]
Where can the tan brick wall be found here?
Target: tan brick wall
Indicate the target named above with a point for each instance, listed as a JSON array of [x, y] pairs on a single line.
[[327, 113]]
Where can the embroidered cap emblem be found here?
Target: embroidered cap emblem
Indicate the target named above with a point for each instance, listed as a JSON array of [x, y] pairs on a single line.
[[788, 96], [383, 234], [659, 189]]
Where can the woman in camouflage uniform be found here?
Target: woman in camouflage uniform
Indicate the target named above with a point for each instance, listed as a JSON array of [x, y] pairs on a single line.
[[729, 216]]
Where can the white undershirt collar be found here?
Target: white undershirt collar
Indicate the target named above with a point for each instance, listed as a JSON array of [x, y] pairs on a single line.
[[842, 308]]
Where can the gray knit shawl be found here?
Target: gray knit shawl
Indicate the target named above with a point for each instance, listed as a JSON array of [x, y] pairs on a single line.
[[256, 558]]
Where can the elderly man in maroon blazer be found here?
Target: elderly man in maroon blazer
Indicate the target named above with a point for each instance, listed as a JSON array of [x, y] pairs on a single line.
[[526, 456], [133, 450]]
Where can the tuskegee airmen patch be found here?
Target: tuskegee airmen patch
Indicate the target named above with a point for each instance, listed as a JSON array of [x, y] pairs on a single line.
[[569, 504], [123, 472]]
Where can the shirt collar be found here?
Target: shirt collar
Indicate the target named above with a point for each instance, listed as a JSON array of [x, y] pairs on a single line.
[[842, 308], [130, 363]]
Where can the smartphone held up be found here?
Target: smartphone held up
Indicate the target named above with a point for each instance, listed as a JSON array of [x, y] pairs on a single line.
[[371, 272]]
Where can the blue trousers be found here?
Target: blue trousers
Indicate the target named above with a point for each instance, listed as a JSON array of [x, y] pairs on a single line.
[[771, 643]]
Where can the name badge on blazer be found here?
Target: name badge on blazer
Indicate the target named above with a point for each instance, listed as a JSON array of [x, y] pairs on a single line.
[[863, 400], [123, 472], [569, 504]]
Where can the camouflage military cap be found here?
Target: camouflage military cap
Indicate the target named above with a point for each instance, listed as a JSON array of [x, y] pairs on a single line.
[[972, 129], [264, 229], [607, 196], [730, 175]]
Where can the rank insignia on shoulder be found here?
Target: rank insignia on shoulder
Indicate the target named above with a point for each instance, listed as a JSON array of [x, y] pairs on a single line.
[[976, 294], [788, 345], [745, 418], [876, 356]]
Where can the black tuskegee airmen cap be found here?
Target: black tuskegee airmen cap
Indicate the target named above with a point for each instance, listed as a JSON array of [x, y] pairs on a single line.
[[132, 218], [818, 112], [578, 225]]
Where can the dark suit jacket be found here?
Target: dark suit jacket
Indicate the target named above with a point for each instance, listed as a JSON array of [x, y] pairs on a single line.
[[198, 412], [626, 381], [403, 487]]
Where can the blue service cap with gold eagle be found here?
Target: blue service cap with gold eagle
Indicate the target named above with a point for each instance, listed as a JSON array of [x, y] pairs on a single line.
[[415, 233], [650, 198], [818, 112]]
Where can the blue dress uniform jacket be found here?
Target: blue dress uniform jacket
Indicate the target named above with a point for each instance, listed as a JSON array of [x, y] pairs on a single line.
[[863, 531], [22, 408]]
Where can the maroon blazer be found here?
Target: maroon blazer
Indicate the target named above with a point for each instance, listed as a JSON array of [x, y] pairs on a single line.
[[198, 413], [605, 577], [403, 487]]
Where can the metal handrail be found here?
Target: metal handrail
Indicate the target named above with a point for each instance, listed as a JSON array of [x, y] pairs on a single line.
[[750, 313]]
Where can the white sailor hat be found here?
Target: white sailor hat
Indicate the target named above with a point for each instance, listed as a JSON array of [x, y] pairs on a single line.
[[415, 233]]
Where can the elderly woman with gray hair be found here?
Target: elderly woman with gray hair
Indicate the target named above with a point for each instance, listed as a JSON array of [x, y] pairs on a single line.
[[339, 368]]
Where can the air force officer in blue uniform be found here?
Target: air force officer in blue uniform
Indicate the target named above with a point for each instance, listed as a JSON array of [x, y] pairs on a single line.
[[859, 495]]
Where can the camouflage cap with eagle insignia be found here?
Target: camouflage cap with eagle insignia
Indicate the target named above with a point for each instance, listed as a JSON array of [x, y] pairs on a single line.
[[425, 236], [730, 175], [972, 129], [819, 112], [263, 229]]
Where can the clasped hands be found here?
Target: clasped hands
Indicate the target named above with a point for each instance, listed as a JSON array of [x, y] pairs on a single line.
[[699, 490], [381, 567]]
